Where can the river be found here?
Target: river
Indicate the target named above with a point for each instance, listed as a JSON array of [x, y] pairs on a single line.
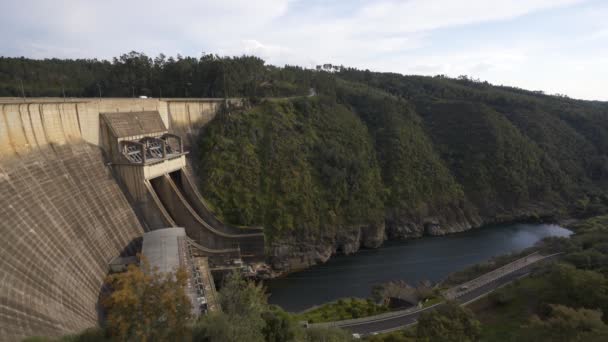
[[431, 258]]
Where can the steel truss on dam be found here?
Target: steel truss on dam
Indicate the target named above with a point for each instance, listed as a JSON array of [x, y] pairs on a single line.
[[81, 180]]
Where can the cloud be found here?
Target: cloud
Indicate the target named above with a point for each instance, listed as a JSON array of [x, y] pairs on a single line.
[[105, 28], [501, 41], [420, 15], [600, 34], [267, 52]]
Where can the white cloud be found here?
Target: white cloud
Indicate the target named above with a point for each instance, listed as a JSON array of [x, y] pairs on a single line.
[[267, 52], [600, 34], [411, 36], [105, 28], [420, 15]]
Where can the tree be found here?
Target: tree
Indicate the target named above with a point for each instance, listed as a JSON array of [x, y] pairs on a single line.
[[567, 324], [280, 326], [243, 304], [581, 288], [327, 335], [450, 322], [246, 316], [148, 305]]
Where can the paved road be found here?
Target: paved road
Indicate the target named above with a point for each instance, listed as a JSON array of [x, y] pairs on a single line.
[[386, 324]]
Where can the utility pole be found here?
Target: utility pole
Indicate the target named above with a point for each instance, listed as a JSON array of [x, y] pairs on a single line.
[[133, 91], [63, 91], [99, 87]]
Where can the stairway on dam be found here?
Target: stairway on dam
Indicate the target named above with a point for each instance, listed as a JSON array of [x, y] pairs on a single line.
[[65, 213]]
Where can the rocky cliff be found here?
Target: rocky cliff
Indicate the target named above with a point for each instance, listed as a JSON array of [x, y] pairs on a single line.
[[296, 253]]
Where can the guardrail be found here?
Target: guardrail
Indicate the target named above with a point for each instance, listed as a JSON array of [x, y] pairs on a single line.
[[370, 319], [512, 267], [455, 292]]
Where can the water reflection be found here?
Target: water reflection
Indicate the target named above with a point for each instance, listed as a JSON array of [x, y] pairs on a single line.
[[412, 261]]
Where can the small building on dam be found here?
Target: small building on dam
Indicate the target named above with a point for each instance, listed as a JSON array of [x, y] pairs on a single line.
[[81, 181]]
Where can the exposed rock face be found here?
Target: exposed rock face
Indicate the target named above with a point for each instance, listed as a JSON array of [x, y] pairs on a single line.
[[402, 228], [440, 221], [373, 235], [296, 253]]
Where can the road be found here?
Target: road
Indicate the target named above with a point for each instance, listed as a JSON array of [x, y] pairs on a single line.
[[390, 322]]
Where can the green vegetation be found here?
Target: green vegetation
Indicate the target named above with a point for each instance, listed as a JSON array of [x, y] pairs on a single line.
[[418, 153], [136, 74], [147, 305], [511, 135], [246, 316], [432, 301], [450, 322], [305, 163], [422, 154], [566, 301], [342, 309], [418, 182], [137, 311], [561, 301], [566, 324], [405, 335], [448, 152], [499, 169]]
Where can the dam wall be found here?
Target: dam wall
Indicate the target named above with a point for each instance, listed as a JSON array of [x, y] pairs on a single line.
[[63, 216], [40, 121]]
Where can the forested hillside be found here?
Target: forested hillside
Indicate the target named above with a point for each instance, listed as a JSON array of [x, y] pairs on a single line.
[[368, 155], [293, 166], [136, 74]]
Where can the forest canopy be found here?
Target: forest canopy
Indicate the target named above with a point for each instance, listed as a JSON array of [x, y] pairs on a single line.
[[330, 147]]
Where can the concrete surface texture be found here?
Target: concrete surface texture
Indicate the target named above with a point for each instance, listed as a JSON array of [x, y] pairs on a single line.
[[63, 216], [251, 242], [62, 219]]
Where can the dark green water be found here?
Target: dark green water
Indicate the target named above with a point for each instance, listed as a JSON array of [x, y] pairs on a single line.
[[431, 258]]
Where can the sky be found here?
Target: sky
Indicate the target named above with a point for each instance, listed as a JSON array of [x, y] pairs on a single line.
[[558, 46]]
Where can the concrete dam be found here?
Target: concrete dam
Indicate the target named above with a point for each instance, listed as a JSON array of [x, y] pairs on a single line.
[[80, 181]]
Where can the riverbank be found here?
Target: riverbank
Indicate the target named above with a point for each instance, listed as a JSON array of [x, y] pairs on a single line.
[[567, 301], [353, 240], [560, 300], [416, 260]]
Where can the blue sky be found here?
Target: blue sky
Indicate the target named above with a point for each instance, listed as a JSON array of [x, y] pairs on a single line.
[[559, 46]]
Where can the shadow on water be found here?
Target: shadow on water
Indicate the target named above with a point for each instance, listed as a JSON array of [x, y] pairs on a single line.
[[429, 258]]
